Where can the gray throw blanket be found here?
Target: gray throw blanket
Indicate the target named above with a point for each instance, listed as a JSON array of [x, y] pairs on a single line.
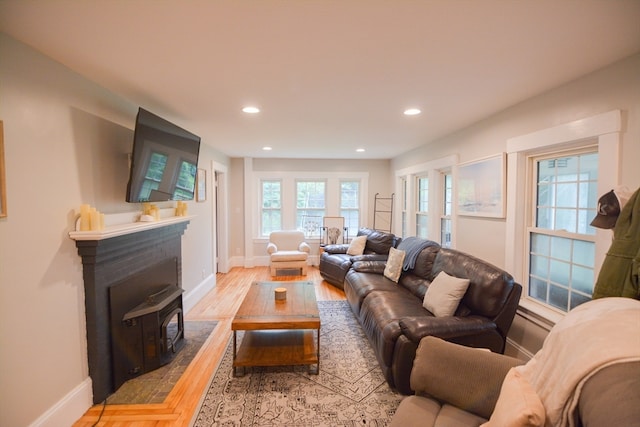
[[412, 246]]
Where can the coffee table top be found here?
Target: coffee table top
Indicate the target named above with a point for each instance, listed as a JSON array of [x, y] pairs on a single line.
[[260, 310]]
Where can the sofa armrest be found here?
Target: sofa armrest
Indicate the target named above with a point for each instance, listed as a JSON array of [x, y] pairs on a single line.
[[370, 257], [416, 328], [336, 249], [465, 377], [369, 266], [272, 248]]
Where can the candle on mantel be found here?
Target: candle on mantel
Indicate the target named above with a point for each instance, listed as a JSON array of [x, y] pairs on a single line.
[[95, 219], [85, 219]]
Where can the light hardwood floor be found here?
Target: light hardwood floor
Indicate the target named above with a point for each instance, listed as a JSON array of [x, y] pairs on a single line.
[[221, 305]]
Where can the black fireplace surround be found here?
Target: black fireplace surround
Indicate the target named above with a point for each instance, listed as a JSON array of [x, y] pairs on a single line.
[[133, 288]]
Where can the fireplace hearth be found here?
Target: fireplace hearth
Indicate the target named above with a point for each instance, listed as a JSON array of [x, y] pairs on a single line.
[[121, 271]]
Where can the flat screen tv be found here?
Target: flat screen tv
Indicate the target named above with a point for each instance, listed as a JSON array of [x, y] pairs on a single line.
[[164, 161]]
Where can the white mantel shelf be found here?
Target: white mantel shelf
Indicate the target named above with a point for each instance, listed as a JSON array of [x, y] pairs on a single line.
[[127, 228]]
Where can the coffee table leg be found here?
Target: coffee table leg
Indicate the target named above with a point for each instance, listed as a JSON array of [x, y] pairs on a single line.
[[317, 370], [234, 354]]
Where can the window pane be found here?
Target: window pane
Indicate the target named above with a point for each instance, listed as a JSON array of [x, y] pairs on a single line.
[[423, 194], [445, 238], [561, 268], [561, 248], [584, 252], [421, 226], [271, 218]]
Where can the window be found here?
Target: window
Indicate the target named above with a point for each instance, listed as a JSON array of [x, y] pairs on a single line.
[[554, 182], [350, 205], [271, 207], [445, 218], [422, 217], [561, 241], [310, 206]]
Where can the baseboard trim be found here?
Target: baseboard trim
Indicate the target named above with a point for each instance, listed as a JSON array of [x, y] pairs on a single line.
[[192, 297], [69, 409]]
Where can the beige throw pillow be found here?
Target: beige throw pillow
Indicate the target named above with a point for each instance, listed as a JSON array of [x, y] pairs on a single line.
[[356, 247], [444, 294], [393, 268], [518, 404]]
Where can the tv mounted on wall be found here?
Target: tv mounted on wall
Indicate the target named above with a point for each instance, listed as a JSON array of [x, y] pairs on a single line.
[[164, 161]]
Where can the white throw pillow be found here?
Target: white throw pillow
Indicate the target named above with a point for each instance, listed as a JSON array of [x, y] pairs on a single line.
[[444, 294], [356, 247], [393, 268], [518, 404]]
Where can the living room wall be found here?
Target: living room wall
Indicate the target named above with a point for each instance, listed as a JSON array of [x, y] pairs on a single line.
[[616, 87], [66, 141]]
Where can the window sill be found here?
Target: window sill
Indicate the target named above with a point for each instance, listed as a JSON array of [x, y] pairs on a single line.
[[539, 314]]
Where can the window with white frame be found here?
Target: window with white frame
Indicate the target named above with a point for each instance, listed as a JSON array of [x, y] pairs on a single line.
[[555, 176], [271, 214], [422, 213], [350, 205], [310, 206], [561, 241], [445, 217]]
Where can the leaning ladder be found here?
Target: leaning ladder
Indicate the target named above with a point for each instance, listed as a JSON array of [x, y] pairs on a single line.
[[383, 212]]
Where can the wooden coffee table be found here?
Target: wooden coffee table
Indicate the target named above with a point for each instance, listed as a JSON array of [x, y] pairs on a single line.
[[277, 332]]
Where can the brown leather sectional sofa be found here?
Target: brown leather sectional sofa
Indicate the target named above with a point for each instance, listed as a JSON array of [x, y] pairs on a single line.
[[394, 319]]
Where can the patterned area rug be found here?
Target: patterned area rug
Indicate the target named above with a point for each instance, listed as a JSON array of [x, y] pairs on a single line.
[[154, 386], [350, 389]]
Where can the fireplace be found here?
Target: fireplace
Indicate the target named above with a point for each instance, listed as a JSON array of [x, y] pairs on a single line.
[[133, 287], [147, 324]]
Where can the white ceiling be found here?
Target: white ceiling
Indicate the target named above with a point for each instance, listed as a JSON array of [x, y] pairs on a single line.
[[329, 75]]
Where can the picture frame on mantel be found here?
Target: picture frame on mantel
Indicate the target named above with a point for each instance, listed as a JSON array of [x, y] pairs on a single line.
[[201, 185], [481, 187], [3, 185]]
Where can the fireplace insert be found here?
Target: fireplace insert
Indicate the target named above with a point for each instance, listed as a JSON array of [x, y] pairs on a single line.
[[147, 330]]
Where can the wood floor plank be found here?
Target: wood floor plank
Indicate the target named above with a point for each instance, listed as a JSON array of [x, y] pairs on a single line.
[[220, 304]]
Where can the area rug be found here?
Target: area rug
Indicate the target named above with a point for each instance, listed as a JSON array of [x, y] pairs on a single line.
[[154, 386], [349, 390]]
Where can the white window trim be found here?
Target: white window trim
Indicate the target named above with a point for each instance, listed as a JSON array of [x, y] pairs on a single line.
[[606, 129], [432, 170], [288, 203]]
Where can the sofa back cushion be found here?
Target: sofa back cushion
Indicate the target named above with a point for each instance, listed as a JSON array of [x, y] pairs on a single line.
[[489, 286], [417, 280], [378, 242]]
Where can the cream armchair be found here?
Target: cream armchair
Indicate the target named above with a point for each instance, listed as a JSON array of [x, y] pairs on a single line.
[[288, 250]]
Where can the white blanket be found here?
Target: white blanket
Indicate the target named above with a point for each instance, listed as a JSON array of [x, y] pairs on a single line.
[[594, 335]]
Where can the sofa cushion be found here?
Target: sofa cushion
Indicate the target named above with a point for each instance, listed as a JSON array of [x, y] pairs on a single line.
[[518, 404], [356, 247], [489, 286], [378, 241], [393, 268], [444, 294]]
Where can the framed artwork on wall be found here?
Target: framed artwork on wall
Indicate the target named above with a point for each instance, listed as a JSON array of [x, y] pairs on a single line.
[[3, 186], [201, 185], [481, 186]]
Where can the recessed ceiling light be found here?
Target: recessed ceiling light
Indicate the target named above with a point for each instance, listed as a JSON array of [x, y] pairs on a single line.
[[360, 150], [412, 112], [251, 110], [266, 148]]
